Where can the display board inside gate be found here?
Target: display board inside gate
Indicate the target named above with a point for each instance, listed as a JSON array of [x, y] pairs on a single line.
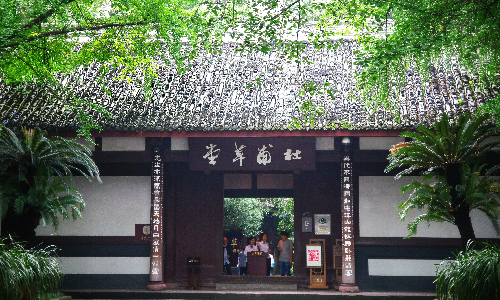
[[260, 154]]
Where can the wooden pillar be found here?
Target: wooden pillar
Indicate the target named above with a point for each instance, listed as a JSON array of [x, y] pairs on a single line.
[[348, 266], [156, 253]]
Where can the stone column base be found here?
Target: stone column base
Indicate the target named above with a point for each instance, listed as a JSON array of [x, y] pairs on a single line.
[[156, 286], [348, 288]]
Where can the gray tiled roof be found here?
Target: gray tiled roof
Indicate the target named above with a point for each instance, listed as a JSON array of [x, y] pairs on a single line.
[[212, 95]]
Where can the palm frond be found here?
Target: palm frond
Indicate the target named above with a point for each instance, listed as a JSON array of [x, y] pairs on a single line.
[[28, 163]]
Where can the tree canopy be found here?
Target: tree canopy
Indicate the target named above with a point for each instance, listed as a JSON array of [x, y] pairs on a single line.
[[247, 214], [40, 39]]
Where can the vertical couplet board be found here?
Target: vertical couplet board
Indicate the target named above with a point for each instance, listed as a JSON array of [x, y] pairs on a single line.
[[348, 261], [316, 263], [156, 259], [347, 219]]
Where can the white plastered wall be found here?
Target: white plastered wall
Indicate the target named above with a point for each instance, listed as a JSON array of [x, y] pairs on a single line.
[[402, 267], [105, 265], [379, 197], [379, 143], [123, 144], [113, 207]]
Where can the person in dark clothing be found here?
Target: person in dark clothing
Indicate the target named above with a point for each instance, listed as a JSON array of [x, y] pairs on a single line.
[[227, 250]]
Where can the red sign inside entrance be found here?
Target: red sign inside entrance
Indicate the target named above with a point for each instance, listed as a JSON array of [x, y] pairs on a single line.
[[262, 154]]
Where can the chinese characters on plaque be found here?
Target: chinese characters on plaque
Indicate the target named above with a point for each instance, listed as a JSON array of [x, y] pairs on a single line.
[[347, 218], [156, 227], [252, 153], [322, 224], [263, 157], [313, 256]]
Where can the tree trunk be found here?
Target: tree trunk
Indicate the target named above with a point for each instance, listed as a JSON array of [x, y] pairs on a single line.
[[464, 224], [461, 208]]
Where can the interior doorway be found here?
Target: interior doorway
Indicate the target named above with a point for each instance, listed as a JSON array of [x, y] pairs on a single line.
[[247, 218]]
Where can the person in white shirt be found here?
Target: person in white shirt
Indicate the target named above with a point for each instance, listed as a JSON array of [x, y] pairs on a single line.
[[264, 247], [251, 247]]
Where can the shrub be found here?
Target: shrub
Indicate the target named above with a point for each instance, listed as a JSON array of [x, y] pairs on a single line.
[[27, 273], [474, 274]]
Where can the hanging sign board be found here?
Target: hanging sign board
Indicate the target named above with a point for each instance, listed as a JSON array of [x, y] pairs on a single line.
[[307, 224], [260, 154], [322, 224], [314, 256]]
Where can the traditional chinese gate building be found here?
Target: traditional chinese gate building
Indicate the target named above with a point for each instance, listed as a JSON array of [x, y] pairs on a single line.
[[168, 162]]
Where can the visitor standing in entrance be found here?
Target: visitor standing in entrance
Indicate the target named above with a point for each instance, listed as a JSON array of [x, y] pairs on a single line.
[[251, 247], [264, 247], [285, 248], [242, 261], [228, 249]]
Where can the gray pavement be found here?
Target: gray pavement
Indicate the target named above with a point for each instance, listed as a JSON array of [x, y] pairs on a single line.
[[300, 294]]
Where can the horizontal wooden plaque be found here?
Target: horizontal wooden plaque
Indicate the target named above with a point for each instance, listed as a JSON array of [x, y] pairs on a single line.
[[260, 154]]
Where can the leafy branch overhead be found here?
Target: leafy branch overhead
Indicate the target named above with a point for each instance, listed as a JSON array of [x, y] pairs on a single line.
[[39, 40], [398, 42], [424, 43]]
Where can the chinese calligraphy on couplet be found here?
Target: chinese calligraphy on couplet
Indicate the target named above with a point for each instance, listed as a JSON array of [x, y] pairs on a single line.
[[347, 219], [156, 219]]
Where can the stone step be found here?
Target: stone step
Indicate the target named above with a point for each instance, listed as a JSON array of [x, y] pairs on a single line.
[[254, 287]]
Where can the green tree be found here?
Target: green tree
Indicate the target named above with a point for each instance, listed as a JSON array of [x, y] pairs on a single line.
[[283, 209], [247, 214], [244, 215], [39, 40], [28, 190], [393, 37], [453, 154]]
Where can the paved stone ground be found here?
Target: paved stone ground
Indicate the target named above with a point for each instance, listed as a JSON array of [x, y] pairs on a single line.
[[253, 295]]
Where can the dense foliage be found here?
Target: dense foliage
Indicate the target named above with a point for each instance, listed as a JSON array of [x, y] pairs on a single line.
[[453, 153], [283, 209], [23, 272], [39, 39], [35, 173], [473, 274], [246, 214], [421, 34]]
